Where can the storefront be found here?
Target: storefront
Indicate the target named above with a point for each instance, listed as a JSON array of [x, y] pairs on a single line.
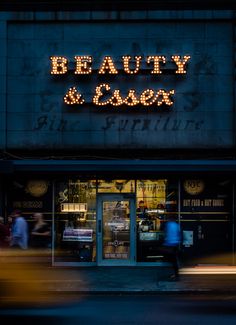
[[107, 221], [114, 119]]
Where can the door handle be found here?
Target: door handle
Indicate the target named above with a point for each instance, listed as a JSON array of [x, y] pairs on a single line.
[[99, 226]]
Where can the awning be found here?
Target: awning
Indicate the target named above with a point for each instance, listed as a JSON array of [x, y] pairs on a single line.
[[124, 165]]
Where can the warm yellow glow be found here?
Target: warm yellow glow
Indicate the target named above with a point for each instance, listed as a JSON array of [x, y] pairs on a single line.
[[165, 97], [83, 64], [131, 65], [116, 99], [208, 270], [99, 93], [126, 60], [147, 97], [131, 99], [180, 63], [156, 62], [59, 64], [107, 66], [73, 97]]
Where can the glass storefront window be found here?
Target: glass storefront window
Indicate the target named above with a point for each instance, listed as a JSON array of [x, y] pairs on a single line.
[[75, 221], [33, 196], [116, 186], [155, 200], [92, 220], [207, 220]]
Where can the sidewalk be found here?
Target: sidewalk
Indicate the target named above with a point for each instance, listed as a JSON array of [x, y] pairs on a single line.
[[36, 274], [148, 280], [39, 284]]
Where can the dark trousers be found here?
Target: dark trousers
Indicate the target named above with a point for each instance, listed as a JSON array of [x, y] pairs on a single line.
[[171, 255]]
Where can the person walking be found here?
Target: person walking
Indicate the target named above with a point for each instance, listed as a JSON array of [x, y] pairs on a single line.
[[171, 243], [4, 234], [19, 238], [9, 223], [40, 236]]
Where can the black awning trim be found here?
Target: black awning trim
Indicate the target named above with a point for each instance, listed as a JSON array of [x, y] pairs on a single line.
[[124, 165]]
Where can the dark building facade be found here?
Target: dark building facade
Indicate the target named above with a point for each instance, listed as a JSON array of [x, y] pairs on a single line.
[[114, 117]]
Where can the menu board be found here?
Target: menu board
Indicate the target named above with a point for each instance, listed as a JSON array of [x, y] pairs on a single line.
[[206, 196]]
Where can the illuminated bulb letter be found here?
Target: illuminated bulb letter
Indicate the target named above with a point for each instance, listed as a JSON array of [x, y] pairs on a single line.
[[73, 97], [82, 64], [147, 97], [107, 65], [180, 63], [165, 97], [116, 99], [59, 64], [99, 94], [131, 99], [156, 63], [126, 60]]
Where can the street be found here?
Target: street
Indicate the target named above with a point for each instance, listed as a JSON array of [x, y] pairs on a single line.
[[129, 309]]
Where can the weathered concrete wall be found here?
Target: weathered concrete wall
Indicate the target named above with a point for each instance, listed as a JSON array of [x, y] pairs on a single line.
[[202, 113]]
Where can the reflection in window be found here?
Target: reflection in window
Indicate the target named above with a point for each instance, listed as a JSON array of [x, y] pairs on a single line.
[[116, 230], [116, 186], [152, 192], [155, 200], [75, 221]]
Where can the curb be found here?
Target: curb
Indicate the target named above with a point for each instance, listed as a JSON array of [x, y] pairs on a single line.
[[143, 292]]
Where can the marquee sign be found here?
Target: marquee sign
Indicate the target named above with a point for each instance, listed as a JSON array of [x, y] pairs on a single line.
[[104, 95]]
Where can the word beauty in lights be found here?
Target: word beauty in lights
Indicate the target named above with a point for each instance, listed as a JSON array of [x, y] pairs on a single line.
[[83, 64], [104, 95]]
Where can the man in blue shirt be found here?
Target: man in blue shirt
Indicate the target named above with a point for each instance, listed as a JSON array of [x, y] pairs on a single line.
[[171, 244], [19, 231]]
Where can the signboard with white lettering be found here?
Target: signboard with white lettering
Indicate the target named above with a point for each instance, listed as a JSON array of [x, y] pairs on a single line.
[[85, 235]]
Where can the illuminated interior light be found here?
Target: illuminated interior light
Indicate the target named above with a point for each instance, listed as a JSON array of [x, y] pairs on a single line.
[[73, 97], [59, 65], [165, 97], [156, 63], [107, 66], [180, 63], [126, 60], [147, 97], [83, 64], [131, 99], [99, 94]]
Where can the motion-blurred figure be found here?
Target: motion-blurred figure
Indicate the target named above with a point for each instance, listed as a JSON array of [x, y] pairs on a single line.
[[19, 238], [171, 244], [40, 236], [4, 234]]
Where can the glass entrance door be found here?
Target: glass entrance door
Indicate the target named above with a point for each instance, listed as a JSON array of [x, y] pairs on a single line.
[[116, 229]]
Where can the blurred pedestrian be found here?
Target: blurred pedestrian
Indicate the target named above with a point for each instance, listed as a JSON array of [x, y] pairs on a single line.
[[9, 223], [171, 243], [19, 237], [40, 236], [4, 234]]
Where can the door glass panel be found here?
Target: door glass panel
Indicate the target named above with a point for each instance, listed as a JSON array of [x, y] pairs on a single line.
[[116, 230]]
